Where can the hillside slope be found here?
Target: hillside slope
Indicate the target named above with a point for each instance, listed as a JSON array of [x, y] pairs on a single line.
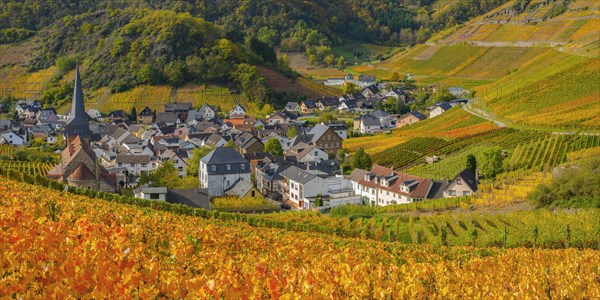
[[58, 246], [532, 63]]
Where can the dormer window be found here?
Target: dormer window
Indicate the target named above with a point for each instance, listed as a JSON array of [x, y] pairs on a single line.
[[458, 181]]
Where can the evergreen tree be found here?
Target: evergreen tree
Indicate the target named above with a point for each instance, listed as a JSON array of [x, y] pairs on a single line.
[[133, 115], [471, 163]]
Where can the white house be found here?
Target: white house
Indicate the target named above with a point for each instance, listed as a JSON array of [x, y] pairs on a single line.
[[237, 111], [439, 109], [151, 193], [222, 168], [303, 186], [12, 138], [134, 164], [385, 119], [383, 186], [207, 112]]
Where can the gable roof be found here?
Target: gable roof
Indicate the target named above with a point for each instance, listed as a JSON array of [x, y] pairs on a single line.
[[309, 103], [444, 105], [468, 178], [380, 114], [417, 115], [223, 155], [240, 188], [146, 112]]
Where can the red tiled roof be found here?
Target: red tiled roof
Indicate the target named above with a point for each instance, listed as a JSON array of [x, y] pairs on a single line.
[[82, 172]]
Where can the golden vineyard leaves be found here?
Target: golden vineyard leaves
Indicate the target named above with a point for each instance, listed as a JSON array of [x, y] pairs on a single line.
[[55, 245]]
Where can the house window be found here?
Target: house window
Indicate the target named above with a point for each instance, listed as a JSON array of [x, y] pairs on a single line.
[[243, 166], [466, 193], [316, 153], [154, 196], [144, 165], [132, 165], [120, 164], [213, 167], [452, 192], [458, 181], [228, 167]]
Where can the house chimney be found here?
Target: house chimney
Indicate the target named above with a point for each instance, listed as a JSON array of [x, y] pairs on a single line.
[[307, 166], [477, 175]]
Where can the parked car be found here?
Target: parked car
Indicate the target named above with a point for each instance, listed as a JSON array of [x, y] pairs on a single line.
[[286, 206]]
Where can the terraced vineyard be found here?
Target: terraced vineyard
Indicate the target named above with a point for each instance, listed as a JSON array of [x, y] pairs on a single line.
[[7, 150], [454, 124], [57, 245], [31, 168], [460, 227]]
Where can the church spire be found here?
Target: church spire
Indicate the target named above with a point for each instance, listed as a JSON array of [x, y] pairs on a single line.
[[77, 108], [78, 122]]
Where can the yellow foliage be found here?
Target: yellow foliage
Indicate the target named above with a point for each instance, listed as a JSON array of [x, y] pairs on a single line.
[[60, 246]]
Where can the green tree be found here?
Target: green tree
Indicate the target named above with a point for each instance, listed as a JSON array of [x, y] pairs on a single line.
[[350, 88], [292, 132], [273, 146], [471, 163], [175, 73], [230, 144], [148, 74], [341, 155], [194, 161], [166, 175], [361, 160], [133, 115], [144, 178], [340, 62], [65, 64], [329, 59], [491, 162], [312, 59], [319, 200]]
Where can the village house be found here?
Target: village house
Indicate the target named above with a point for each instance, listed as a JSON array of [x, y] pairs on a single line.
[[340, 127], [328, 103], [220, 169], [308, 107], [320, 135], [292, 107], [399, 94], [464, 184], [146, 116], [439, 108], [303, 186], [237, 112], [243, 189], [383, 186], [134, 164], [370, 91], [410, 118], [151, 193], [248, 143]]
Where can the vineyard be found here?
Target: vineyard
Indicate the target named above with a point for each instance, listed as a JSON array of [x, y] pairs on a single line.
[[57, 245], [7, 150], [31, 168], [454, 124], [528, 150]]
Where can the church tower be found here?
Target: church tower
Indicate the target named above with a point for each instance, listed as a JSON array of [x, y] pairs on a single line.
[[78, 122]]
